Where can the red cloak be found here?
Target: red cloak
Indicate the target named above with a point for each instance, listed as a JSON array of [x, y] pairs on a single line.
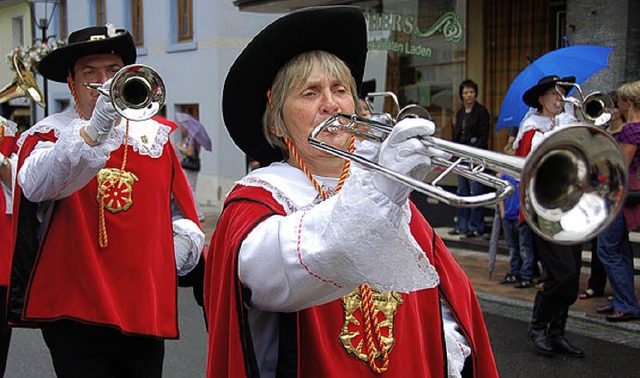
[[309, 343]]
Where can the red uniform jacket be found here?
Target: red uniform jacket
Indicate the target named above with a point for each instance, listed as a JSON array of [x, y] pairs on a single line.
[[7, 147], [60, 272], [309, 343]]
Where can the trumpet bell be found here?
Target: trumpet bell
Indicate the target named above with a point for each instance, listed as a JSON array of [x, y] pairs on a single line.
[[137, 92], [573, 184], [597, 108]]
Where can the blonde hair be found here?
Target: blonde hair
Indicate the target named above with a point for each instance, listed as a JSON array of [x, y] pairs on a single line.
[[630, 91], [292, 74]]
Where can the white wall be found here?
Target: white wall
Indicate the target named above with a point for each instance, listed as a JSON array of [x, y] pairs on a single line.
[[193, 73]]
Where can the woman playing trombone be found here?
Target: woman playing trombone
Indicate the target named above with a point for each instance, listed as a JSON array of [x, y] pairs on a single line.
[[318, 267]]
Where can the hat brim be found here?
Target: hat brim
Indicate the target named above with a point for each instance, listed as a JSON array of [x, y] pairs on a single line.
[[531, 96], [340, 30], [55, 66]]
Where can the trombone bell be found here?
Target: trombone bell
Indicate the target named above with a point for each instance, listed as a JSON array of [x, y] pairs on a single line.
[[137, 92], [22, 85]]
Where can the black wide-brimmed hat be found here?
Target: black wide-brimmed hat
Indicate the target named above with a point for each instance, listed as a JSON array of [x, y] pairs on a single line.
[[530, 97], [93, 40], [340, 30]]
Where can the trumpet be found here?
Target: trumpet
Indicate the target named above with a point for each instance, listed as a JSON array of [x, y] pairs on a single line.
[[137, 92], [596, 108], [572, 184]]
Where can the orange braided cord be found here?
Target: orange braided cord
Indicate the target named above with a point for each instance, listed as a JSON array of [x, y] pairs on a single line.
[[372, 325], [304, 168], [371, 330]]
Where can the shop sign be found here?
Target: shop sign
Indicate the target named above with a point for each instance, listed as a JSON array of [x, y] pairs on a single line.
[[382, 25]]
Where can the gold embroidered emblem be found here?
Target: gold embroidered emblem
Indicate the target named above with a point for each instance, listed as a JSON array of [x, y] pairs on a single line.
[[144, 139], [116, 191], [353, 338]]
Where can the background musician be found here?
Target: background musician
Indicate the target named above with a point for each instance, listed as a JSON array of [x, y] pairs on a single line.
[[94, 263]]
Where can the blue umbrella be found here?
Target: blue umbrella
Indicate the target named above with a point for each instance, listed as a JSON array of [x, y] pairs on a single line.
[[195, 129], [581, 61]]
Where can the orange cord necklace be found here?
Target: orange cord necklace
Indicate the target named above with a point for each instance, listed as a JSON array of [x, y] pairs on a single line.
[[371, 322], [103, 239]]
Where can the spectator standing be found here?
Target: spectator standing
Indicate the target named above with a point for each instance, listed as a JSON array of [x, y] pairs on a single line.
[[471, 128], [598, 276], [614, 247], [508, 212], [190, 162]]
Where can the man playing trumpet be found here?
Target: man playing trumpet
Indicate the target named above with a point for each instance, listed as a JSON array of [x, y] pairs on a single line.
[[94, 263]]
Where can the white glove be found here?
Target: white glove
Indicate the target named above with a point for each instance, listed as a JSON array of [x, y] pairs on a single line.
[[407, 155], [104, 117]]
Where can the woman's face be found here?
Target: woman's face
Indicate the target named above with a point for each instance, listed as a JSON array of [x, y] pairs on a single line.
[[468, 95], [623, 105], [551, 102], [310, 103]]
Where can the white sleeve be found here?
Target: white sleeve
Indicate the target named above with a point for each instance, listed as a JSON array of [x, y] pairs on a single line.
[[537, 138], [8, 191], [56, 170], [313, 257], [188, 240]]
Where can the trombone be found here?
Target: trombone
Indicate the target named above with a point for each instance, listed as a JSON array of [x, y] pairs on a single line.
[[572, 184], [22, 85], [137, 92]]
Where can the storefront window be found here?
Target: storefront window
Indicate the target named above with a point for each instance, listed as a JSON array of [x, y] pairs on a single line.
[[417, 49]]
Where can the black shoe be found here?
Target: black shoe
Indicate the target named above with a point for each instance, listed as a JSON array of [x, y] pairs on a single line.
[[455, 231], [541, 341], [473, 235], [524, 284], [510, 279], [562, 346]]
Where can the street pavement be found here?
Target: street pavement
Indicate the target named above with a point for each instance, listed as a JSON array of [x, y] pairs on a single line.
[[611, 348]]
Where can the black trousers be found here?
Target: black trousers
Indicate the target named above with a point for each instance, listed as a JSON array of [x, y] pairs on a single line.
[[82, 350], [561, 265]]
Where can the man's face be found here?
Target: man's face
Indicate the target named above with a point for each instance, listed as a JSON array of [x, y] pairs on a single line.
[[92, 69]]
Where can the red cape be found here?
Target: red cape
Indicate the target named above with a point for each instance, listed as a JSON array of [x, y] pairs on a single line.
[[309, 344], [131, 284], [7, 147]]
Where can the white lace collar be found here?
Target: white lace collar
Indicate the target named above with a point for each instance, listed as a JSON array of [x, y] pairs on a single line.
[[10, 127], [145, 137], [289, 186]]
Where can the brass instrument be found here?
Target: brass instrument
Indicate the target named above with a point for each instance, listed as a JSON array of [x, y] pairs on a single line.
[[22, 85], [596, 108], [571, 185], [137, 92]]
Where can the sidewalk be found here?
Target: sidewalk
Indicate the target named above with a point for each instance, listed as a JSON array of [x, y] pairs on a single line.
[[473, 258]]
